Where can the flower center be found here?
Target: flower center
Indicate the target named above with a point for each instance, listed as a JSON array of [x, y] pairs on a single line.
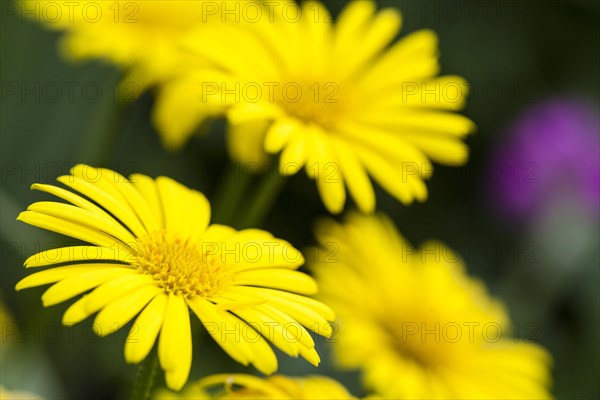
[[179, 266], [428, 343], [319, 103]]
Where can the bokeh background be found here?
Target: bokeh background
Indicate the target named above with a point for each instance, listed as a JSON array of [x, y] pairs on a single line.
[[541, 258]]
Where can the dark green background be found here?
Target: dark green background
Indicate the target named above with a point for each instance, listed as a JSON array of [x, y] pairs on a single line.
[[514, 54]]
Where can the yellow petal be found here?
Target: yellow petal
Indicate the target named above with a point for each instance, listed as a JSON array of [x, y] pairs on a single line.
[[77, 254], [68, 228], [144, 331], [147, 188], [84, 218], [357, 179], [175, 343], [282, 279], [120, 311], [70, 287], [59, 273]]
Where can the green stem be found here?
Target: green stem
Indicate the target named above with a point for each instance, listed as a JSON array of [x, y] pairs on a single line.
[[229, 194], [262, 202], [144, 382]]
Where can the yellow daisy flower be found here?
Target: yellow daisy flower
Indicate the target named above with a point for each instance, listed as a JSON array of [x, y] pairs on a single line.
[[415, 323], [241, 386], [152, 252], [339, 100], [142, 36]]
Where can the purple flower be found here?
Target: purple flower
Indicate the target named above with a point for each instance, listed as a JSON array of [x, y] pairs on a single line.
[[551, 151]]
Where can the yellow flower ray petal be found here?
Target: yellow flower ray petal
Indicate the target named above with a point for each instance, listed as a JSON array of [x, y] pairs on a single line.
[[82, 217], [75, 285], [381, 32], [112, 290], [271, 330], [58, 273], [143, 333], [303, 313], [71, 229], [106, 200], [208, 314], [288, 323], [175, 342], [136, 202], [420, 47], [74, 199], [351, 24], [101, 296], [147, 187], [77, 254], [120, 311], [283, 279], [217, 234], [293, 157], [254, 348], [357, 179]]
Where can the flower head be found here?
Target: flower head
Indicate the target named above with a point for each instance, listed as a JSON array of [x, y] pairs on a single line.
[[241, 386], [339, 100], [152, 254], [415, 323]]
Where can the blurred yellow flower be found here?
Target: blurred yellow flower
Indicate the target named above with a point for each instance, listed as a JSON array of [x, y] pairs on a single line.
[[141, 36], [415, 323], [241, 386], [6, 394], [152, 252], [337, 99]]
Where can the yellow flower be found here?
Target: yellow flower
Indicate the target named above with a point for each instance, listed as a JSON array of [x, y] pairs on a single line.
[[142, 36], [337, 99], [415, 323], [241, 386], [152, 252]]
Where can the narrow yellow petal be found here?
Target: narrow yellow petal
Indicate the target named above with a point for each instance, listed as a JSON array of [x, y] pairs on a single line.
[[147, 187], [357, 179], [137, 203], [58, 273], [293, 156], [120, 311], [77, 254], [114, 289], [278, 135], [175, 343], [282, 279], [271, 330], [77, 284], [293, 329], [144, 331], [209, 315], [111, 200], [74, 199], [84, 218], [68, 228]]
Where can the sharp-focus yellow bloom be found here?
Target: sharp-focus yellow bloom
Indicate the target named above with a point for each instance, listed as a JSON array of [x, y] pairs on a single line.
[[152, 254], [240, 386], [340, 100], [415, 323], [142, 36]]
